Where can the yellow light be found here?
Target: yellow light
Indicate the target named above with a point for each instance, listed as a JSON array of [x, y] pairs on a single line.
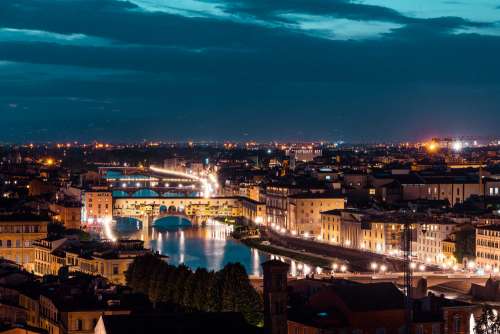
[[49, 162], [432, 147]]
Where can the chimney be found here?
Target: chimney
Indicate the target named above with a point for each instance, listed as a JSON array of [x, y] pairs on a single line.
[[275, 297]]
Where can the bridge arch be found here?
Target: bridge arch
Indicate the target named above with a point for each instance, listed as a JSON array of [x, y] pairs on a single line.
[[172, 221], [120, 193], [145, 193]]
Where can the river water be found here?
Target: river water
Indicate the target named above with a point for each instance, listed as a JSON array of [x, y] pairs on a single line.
[[209, 247]]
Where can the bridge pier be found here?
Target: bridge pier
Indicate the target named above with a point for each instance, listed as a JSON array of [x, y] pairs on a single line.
[[147, 221]]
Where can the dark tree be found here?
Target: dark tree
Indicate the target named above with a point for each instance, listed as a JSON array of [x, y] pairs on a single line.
[[228, 290], [465, 244]]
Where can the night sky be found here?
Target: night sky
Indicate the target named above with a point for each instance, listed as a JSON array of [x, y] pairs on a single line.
[[366, 70]]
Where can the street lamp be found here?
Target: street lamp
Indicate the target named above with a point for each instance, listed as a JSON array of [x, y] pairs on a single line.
[[374, 267], [343, 268], [471, 265], [383, 268]]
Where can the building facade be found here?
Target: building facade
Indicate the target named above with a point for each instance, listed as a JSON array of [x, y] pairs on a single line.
[[97, 206], [488, 247], [17, 235], [304, 211]]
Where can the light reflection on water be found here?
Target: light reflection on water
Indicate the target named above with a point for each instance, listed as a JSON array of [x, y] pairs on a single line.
[[209, 247]]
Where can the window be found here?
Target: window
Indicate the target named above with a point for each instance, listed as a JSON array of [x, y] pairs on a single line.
[[79, 324], [9, 243], [420, 329], [457, 322], [115, 269]]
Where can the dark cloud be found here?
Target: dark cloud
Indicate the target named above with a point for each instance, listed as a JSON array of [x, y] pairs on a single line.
[[170, 76]]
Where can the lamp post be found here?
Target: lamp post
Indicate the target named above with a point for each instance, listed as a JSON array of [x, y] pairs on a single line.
[[374, 267]]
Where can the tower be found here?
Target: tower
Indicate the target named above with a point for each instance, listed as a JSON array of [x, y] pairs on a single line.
[[275, 297]]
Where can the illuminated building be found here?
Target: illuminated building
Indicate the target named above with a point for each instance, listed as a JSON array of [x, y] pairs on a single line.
[[488, 247], [358, 229], [105, 259], [250, 191], [97, 206], [330, 226], [304, 211], [304, 154], [449, 248], [277, 204], [252, 210], [17, 234], [430, 238]]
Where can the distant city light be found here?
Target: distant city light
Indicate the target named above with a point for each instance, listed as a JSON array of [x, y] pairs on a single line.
[[432, 147], [457, 146]]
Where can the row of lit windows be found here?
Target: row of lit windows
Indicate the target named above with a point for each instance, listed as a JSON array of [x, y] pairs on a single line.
[[488, 233], [19, 229], [487, 243], [15, 243], [486, 255]]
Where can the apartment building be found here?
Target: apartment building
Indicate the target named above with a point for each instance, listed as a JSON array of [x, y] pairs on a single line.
[[488, 247], [105, 259], [97, 206], [304, 211], [432, 235], [17, 234]]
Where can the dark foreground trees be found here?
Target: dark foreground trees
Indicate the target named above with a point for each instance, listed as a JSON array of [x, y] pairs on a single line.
[[228, 290]]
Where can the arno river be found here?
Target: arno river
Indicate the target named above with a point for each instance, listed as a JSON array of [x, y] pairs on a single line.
[[209, 247]]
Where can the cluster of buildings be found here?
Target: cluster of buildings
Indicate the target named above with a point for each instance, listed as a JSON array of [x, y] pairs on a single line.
[[340, 306], [361, 198], [357, 197]]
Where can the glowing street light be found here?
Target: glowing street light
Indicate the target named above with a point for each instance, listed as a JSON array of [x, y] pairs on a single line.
[[471, 265], [383, 268], [343, 268], [374, 267]]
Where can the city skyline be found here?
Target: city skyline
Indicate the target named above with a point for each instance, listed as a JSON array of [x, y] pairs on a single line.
[[359, 71]]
